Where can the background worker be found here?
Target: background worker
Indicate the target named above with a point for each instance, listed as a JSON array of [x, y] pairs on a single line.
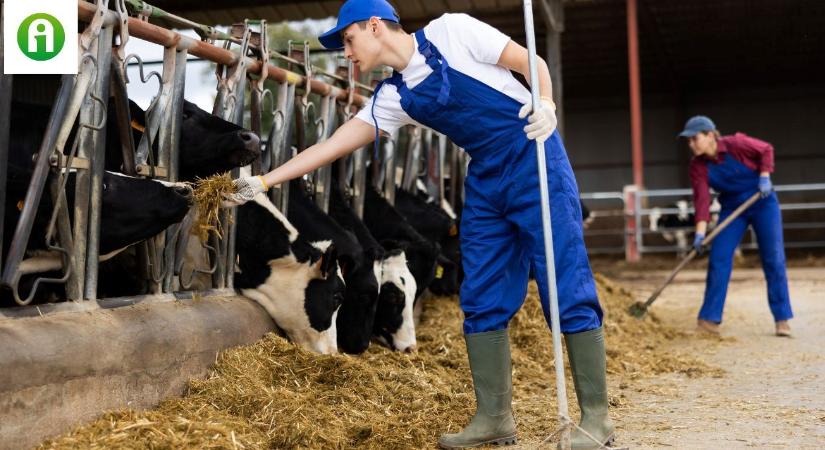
[[454, 77], [736, 167]]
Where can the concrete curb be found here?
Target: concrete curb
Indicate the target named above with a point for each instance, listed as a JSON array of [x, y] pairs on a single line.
[[63, 369]]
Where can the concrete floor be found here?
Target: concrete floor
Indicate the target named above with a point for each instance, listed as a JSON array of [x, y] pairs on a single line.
[[772, 394]]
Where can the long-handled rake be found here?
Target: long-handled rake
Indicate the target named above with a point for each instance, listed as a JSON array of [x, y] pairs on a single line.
[[561, 390], [639, 309]]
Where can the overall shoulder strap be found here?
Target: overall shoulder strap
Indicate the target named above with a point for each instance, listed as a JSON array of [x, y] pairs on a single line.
[[432, 56]]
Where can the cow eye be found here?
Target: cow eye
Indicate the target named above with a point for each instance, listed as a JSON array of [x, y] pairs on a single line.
[[403, 281]]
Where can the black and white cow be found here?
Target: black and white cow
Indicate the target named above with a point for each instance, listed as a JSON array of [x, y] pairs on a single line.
[[296, 281], [391, 323], [677, 227], [394, 317], [387, 225], [674, 227], [360, 269], [409, 251], [134, 209], [437, 225]]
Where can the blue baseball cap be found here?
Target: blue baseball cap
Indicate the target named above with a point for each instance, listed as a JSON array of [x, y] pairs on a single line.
[[696, 125], [356, 11]]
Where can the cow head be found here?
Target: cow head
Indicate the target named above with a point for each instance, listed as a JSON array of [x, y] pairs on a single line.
[[211, 145], [394, 325], [208, 144], [446, 281], [298, 283], [356, 317], [135, 209]]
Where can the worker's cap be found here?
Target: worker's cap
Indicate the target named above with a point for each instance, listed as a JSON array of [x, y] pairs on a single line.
[[356, 11], [696, 125]]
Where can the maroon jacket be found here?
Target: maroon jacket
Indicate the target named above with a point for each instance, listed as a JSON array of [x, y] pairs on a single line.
[[753, 153]]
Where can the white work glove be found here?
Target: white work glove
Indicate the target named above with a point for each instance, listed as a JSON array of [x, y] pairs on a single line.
[[246, 188], [542, 123]]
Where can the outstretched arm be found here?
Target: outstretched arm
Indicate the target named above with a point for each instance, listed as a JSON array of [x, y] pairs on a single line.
[[351, 136]]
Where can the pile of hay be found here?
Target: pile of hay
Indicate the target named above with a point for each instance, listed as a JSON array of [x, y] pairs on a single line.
[[208, 194], [276, 395]]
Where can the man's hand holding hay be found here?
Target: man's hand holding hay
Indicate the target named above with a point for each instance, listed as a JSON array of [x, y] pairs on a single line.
[[246, 188]]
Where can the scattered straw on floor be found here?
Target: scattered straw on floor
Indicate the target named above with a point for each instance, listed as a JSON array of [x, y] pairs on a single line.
[[208, 195], [275, 395]]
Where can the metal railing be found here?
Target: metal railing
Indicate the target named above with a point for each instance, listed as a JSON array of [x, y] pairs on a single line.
[[622, 219], [243, 62]]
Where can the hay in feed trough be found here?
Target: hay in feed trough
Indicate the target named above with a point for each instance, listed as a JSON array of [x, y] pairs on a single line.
[[208, 194], [274, 394]]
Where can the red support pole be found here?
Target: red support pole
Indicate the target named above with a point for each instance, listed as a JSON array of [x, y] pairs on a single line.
[[635, 94]]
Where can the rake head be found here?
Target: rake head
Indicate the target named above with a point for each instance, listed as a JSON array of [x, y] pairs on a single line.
[[638, 309]]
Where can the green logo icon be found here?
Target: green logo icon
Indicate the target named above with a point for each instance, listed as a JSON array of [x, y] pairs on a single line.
[[41, 37]]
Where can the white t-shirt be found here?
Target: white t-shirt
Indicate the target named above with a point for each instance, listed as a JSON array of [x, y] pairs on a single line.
[[470, 46]]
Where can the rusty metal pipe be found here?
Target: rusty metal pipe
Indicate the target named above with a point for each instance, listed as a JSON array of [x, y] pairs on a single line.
[[205, 50], [635, 94]]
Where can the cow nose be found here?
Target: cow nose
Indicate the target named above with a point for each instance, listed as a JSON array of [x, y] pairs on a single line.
[[410, 349], [251, 140], [184, 191]]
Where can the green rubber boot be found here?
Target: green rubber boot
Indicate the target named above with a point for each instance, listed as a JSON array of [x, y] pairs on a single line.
[[587, 362], [493, 423]]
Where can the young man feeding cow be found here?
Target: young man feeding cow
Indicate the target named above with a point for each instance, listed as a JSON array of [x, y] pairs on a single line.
[[454, 76]]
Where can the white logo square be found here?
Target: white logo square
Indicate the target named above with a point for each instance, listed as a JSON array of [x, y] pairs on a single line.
[[40, 37]]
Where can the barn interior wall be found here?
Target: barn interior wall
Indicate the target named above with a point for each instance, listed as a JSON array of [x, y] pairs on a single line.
[[791, 118]]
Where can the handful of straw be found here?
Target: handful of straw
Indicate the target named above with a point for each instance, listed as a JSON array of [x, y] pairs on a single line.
[[209, 193]]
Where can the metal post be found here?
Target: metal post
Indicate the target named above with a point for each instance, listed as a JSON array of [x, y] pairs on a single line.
[[323, 175], [435, 169], [635, 94], [631, 244], [121, 104], [455, 161], [279, 145], [97, 162], [561, 390], [388, 169], [229, 106], [174, 118], [553, 14], [37, 183], [359, 180], [83, 186], [412, 159], [5, 111]]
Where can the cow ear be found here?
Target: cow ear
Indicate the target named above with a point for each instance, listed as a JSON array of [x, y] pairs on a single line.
[[326, 264]]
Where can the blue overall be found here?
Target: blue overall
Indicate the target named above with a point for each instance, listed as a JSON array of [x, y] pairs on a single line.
[[735, 183], [501, 226]]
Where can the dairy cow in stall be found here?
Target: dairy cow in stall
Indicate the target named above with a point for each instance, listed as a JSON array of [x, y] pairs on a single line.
[[296, 281], [390, 320], [437, 225], [361, 269], [132, 209]]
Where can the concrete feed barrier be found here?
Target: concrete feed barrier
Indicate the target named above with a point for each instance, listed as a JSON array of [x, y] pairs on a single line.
[[66, 368]]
